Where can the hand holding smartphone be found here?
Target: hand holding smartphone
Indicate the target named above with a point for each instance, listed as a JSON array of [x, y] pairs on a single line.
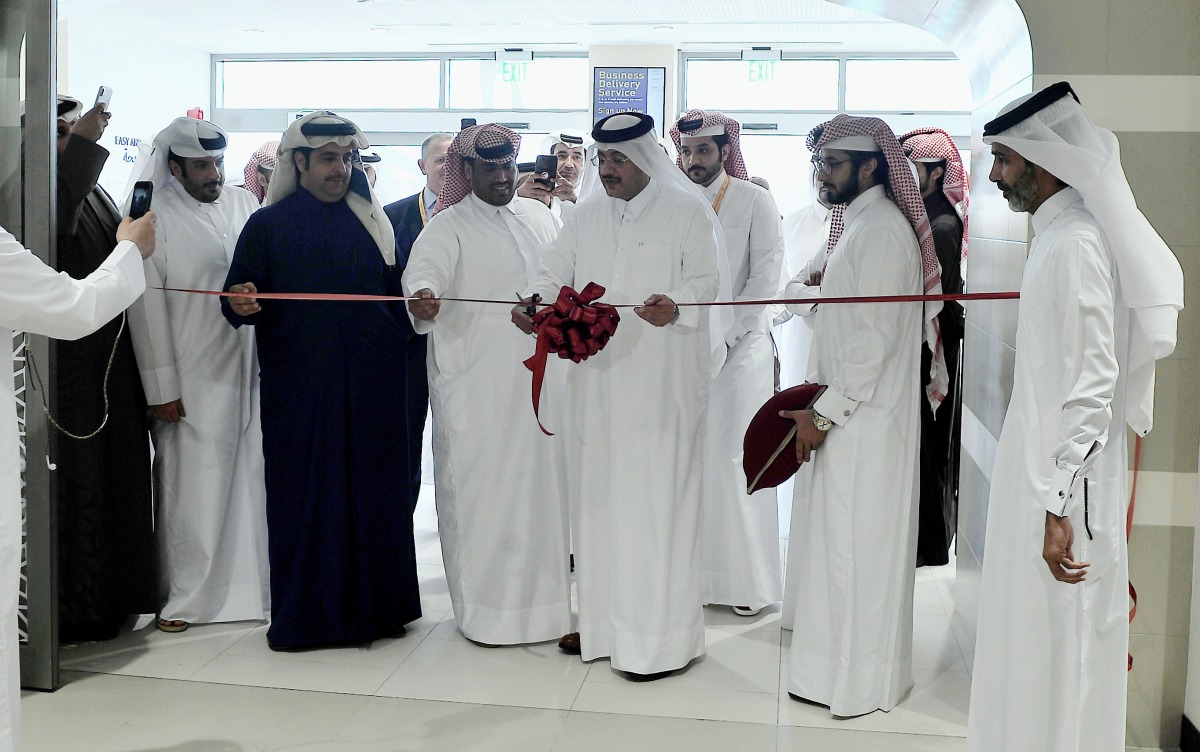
[[548, 164], [103, 97], [143, 191]]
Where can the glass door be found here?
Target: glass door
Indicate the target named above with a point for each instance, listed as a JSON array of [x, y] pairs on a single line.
[[27, 117]]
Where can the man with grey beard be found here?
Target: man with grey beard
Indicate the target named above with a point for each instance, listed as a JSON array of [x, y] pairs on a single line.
[[1100, 297]]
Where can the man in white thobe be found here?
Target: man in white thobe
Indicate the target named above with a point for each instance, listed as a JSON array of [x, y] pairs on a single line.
[[635, 443], [855, 529], [739, 544], [1099, 302], [34, 298], [502, 520], [573, 183], [805, 244], [201, 380]]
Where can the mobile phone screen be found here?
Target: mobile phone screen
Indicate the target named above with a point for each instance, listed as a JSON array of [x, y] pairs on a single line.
[[143, 190]]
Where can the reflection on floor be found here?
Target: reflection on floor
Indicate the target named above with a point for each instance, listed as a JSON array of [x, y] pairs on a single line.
[[219, 689]]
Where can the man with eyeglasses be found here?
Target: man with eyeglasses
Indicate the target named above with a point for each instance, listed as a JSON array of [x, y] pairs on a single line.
[[856, 531], [635, 441], [739, 545]]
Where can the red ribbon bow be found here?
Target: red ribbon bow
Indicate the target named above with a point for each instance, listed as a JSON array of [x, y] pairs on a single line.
[[576, 327]]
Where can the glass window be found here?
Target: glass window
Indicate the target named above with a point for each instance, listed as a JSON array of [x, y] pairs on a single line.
[[762, 84], [544, 83], [784, 161], [398, 175], [242, 145], [907, 86], [329, 84]]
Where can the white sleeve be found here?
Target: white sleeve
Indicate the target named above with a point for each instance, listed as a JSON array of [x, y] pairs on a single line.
[[150, 331], [798, 288], [556, 264], [1089, 354], [890, 266], [700, 279], [432, 265], [766, 260], [37, 299]]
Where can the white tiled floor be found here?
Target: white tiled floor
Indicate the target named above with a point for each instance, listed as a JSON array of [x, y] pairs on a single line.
[[219, 689]]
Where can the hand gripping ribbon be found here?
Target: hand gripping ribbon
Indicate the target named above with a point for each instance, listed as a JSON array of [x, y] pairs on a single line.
[[576, 327]]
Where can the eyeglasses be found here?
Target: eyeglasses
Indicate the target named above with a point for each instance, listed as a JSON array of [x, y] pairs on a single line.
[[600, 161], [827, 166]]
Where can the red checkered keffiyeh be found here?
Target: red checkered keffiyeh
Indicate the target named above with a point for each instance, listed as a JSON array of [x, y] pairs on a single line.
[[489, 143], [903, 191], [266, 156], [735, 165], [935, 143]]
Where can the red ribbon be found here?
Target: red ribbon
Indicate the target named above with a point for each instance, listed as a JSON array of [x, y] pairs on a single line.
[[1137, 462], [576, 327], [772, 301]]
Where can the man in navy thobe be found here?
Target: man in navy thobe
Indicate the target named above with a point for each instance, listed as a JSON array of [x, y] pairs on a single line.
[[343, 562]]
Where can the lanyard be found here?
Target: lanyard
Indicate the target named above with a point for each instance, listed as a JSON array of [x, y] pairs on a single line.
[[721, 194], [421, 206]]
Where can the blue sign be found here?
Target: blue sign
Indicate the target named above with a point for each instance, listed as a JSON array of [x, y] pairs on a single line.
[[630, 90]]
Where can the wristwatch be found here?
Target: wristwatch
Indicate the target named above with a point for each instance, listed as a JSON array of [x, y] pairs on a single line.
[[821, 422], [675, 315]]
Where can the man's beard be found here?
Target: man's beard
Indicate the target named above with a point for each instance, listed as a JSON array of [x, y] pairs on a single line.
[[702, 175], [847, 194], [1023, 191]]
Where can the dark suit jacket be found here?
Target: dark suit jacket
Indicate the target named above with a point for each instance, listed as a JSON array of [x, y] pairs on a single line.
[[405, 216]]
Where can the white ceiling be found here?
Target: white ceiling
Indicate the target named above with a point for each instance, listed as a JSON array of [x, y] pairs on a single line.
[[376, 26]]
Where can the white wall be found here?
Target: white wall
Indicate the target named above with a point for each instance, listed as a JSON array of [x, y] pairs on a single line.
[[153, 82]]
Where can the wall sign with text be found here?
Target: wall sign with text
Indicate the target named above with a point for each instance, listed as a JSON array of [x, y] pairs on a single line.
[[630, 90]]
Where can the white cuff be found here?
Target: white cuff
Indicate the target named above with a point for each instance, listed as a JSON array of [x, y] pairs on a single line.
[[802, 291], [689, 315], [161, 385], [1061, 499], [835, 406]]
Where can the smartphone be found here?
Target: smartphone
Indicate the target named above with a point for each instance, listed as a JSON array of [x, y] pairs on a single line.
[[143, 190], [547, 163], [466, 123], [104, 96]]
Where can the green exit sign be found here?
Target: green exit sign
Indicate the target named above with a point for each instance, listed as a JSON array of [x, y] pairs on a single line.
[[762, 70], [513, 72]]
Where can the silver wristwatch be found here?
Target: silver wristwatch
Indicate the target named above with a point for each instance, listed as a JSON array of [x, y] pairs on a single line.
[[821, 422]]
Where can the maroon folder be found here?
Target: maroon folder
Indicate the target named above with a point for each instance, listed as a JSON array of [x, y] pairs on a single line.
[[769, 448]]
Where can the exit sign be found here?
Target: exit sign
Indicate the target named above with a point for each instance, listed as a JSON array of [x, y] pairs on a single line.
[[513, 72], [761, 70]]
